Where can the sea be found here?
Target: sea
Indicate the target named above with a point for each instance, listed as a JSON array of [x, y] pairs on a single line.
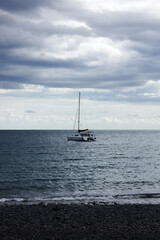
[[41, 166]]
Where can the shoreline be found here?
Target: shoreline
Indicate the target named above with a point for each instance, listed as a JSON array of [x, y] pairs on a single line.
[[79, 221]]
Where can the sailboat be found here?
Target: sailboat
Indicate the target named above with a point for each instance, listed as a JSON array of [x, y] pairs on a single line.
[[81, 135]]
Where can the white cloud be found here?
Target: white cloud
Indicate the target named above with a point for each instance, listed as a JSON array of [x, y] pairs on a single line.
[[121, 5]]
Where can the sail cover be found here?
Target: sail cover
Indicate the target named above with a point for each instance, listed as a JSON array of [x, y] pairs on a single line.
[[82, 130]]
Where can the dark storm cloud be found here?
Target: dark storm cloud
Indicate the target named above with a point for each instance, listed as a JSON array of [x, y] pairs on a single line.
[[39, 44], [21, 5], [37, 62]]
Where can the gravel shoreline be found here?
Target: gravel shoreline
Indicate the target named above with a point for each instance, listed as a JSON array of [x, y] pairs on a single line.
[[90, 221]]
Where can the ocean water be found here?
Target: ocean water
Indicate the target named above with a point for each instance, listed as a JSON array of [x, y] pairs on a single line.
[[42, 166]]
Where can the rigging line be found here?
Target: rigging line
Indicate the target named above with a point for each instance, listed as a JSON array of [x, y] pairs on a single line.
[[84, 114], [75, 120]]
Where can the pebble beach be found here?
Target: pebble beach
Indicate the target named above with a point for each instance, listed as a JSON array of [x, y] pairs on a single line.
[[79, 221]]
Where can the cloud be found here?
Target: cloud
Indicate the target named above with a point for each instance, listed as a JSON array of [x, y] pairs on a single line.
[[30, 111], [81, 44], [18, 5]]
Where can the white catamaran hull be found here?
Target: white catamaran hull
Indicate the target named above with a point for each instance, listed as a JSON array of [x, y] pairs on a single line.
[[75, 139], [80, 139]]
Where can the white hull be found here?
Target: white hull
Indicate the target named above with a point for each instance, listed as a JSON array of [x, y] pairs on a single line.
[[81, 138]]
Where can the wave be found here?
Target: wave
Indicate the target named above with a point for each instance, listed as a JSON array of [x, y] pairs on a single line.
[[138, 196], [144, 198]]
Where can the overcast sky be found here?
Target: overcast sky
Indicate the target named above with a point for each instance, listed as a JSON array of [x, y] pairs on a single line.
[[50, 50]]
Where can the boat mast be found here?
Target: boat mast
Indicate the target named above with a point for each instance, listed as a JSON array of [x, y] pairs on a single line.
[[79, 112]]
